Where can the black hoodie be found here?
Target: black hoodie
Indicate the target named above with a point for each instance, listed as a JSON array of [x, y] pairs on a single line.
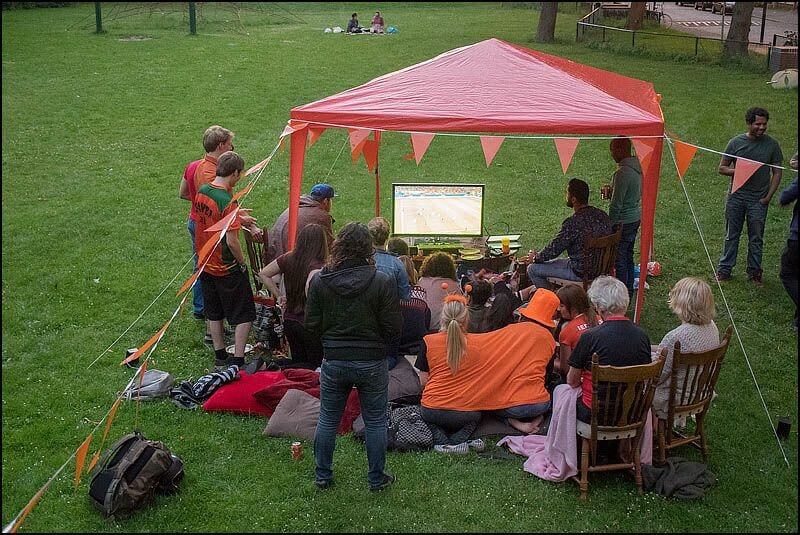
[[355, 311]]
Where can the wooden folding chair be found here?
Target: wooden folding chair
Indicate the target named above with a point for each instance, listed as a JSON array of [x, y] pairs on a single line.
[[599, 256], [257, 254], [690, 395]]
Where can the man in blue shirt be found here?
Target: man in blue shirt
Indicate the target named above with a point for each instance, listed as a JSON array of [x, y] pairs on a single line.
[[789, 258], [385, 261]]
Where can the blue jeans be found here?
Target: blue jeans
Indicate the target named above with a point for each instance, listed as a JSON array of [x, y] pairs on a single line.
[[523, 412], [624, 263], [197, 291], [338, 377], [737, 209], [538, 273]]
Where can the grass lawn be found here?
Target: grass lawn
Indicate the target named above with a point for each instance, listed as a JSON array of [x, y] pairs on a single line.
[[96, 132]]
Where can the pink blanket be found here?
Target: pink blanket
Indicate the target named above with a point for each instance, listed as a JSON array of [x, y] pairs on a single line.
[[555, 457]]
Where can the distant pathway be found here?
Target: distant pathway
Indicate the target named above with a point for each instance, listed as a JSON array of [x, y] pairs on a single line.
[[707, 24]]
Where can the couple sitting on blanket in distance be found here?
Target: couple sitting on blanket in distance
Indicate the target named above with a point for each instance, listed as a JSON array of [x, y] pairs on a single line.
[[500, 372]]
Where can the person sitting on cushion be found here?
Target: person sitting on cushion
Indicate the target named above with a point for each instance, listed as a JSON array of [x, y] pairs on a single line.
[[501, 372], [617, 341], [438, 279], [692, 301], [580, 316], [586, 222]]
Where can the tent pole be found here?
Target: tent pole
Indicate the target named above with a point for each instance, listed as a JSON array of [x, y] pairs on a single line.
[[297, 150], [649, 195], [376, 135]]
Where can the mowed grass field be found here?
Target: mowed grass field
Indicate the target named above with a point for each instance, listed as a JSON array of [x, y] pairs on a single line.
[[96, 132]]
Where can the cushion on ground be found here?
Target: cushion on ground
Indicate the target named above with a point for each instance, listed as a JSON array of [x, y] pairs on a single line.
[[403, 381], [237, 396], [295, 416], [271, 395]]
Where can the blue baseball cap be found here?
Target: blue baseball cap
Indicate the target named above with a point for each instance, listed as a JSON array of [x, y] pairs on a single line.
[[322, 191]]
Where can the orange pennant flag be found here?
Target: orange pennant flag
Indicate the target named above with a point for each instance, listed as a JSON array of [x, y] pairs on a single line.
[[491, 144], [683, 155], [257, 167], [742, 172], [80, 458], [141, 374], [565, 146], [292, 127], [93, 462], [371, 154], [313, 134], [420, 142], [147, 345], [207, 248], [644, 151], [111, 414], [358, 150], [242, 192], [357, 135], [222, 223], [188, 283]]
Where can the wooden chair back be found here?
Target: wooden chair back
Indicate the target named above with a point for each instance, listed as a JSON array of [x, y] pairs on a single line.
[[622, 396], [693, 393], [257, 254], [599, 255]]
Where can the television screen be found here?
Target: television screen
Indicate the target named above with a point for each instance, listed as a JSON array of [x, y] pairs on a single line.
[[437, 209]]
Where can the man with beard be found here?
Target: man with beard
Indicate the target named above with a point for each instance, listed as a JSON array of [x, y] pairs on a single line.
[[585, 222]]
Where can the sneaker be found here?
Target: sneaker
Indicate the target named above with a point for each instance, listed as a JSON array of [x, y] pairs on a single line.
[[756, 278], [199, 316], [478, 445], [388, 479], [722, 277], [207, 340], [456, 449], [323, 484]]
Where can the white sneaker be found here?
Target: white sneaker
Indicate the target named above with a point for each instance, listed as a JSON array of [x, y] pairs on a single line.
[[457, 449], [478, 445]]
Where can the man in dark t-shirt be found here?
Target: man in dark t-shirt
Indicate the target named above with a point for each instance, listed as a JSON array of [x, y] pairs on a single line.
[[617, 341], [752, 199]]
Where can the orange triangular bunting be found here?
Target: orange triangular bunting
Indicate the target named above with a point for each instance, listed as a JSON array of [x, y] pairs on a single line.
[[357, 135], [242, 192], [683, 155], [491, 144], [111, 414], [28, 508], [95, 458], [358, 150], [644, 151], [80, 458], [313, 134], [223, 223], [188, 283], [258, 167], [743, 171], [420, 143], [293, 126], [371, 154], [147, 345], [565, 146], [206, 250]]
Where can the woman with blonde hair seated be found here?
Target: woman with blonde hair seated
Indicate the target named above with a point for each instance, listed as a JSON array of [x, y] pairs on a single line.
[[501, 372], [692, 301]]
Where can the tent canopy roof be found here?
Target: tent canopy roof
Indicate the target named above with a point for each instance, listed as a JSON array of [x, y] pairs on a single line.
[[495, 86]]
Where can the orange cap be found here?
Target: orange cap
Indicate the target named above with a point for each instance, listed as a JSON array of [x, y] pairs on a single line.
[[541, 307]]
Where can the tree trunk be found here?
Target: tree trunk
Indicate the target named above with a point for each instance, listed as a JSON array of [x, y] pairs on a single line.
[[546, 30], [636, 15], [739, 32]]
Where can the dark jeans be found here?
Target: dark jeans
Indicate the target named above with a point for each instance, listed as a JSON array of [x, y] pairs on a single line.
[[789, 272], [736, 210], [451, 427], [523, 412], [197, 291], [624, 264], [338, 377], [306, 347]]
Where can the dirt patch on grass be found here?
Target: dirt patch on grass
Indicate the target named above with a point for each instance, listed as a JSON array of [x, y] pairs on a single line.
[[135, 38]]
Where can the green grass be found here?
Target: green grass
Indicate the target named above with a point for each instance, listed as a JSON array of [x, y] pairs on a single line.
[[96, 132]]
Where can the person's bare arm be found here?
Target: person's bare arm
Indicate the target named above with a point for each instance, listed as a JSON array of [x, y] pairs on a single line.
[[183, 191], [725, 167], [266, 274], [423, 379], [574, 377], [777, 174]]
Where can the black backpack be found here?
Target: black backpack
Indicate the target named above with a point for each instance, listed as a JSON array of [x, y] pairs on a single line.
[[131, 472]]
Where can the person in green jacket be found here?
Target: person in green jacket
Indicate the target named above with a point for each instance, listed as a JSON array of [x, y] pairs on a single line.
[[626, 206]]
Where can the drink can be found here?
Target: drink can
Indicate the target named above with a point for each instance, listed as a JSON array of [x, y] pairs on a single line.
[[297, 451], [128, 353]]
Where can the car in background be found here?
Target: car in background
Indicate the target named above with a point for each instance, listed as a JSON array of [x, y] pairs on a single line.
[[718, 7], [684, 3], [703, 5]]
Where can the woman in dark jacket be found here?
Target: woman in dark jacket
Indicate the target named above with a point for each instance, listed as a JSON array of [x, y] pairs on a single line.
[[354, 308]]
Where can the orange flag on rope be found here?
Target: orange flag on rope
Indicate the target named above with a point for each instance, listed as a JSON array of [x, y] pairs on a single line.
[[257, 167], [222, 223], [147, 345], [313, 134], [80, 458], [95, 458], [420, 143], [683, 155], [644, 151], [204, 251], [188, 283], [141, 376], [242, 192], [565, 146], [490, 145], [111, 414], [28, 509], [358, 150], [292, 127], [371, 154], [357, 135], [743, 171]]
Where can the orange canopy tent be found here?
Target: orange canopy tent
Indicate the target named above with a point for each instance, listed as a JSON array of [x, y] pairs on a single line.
[[495, 87]]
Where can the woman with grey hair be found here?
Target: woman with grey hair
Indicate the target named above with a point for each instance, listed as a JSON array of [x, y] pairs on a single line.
[[617, 341]]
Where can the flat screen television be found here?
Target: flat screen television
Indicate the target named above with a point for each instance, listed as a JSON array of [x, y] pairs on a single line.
[[437, 209]]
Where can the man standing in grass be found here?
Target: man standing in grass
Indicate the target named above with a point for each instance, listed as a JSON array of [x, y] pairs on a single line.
[[752, 199], [626, 206], [226, 288]]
